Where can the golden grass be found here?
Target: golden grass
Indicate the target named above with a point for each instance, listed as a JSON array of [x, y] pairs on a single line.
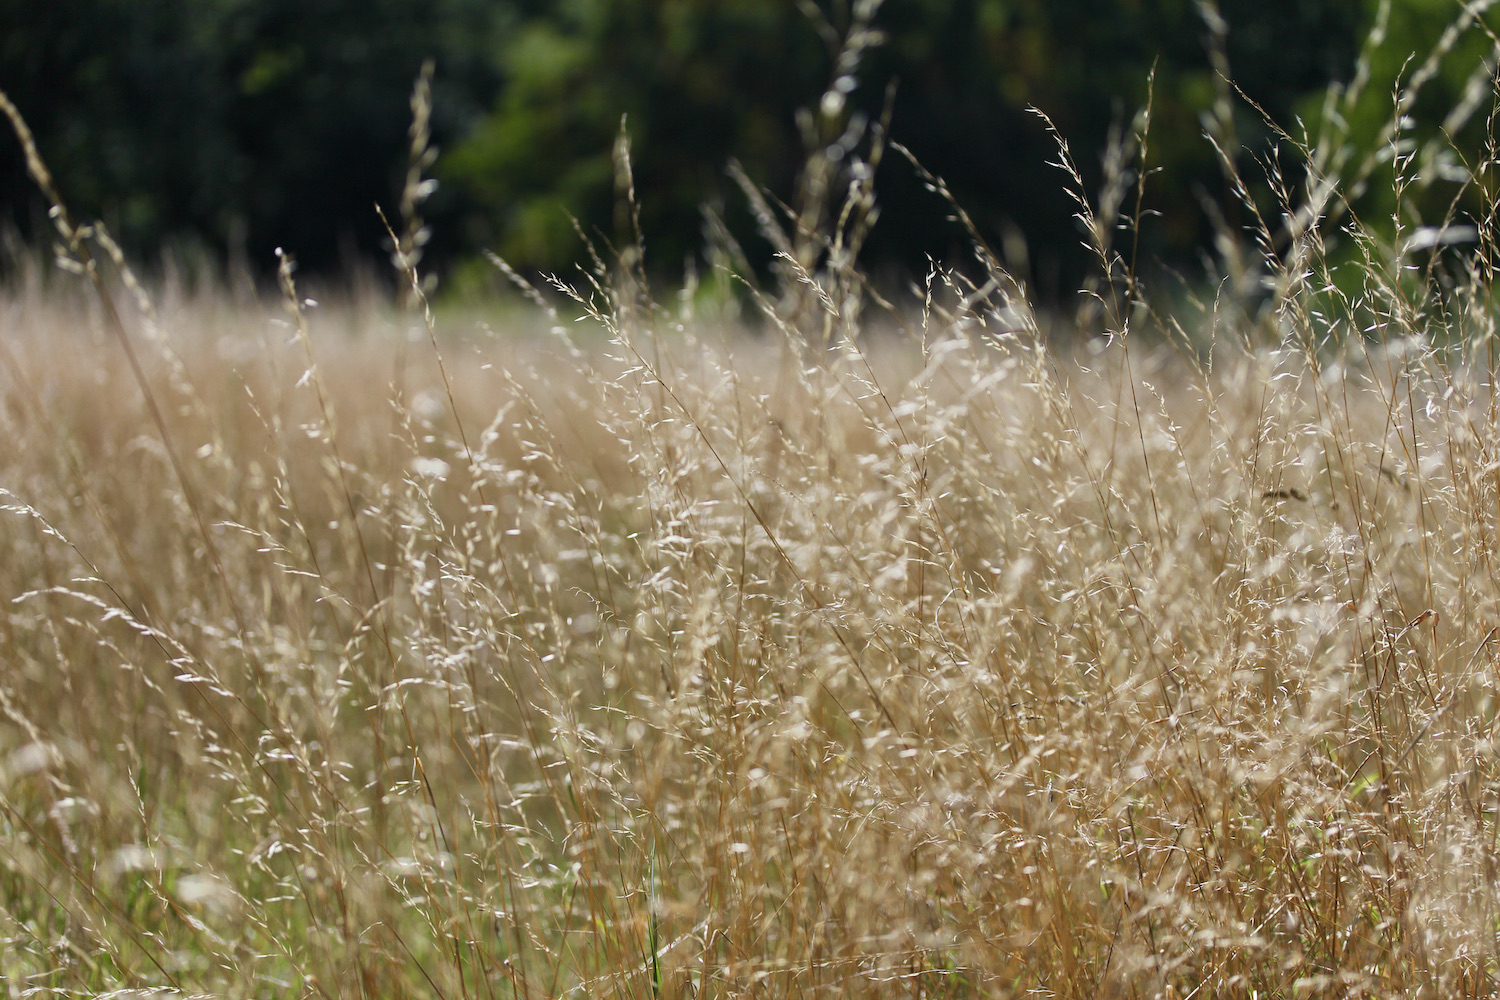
[[948, 661], [717, 668]]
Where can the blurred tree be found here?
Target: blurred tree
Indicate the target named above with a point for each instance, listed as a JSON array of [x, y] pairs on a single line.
[[1087, 66], [281, 122], [105, 87], [704, 82], [321, 108], [257, 122], [700, 81]]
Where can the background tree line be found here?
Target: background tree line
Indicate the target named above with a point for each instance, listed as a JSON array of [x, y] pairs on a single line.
[[236, 126]]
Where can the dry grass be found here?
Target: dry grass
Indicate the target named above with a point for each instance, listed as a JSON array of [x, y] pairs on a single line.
[[940, 664], [744, 675]]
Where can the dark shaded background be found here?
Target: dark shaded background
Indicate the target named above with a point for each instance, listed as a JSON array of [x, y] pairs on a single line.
[[226, 128]]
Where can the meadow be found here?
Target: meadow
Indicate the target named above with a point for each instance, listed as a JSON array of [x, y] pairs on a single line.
[[917, 651]]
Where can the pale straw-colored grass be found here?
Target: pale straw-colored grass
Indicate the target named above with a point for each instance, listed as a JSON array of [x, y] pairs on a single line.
[[940, 662]]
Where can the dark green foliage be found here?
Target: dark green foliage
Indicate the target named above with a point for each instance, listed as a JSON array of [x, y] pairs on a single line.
[[700, 81], [971, 68], [251, 124], [707, 81], [234, 124]]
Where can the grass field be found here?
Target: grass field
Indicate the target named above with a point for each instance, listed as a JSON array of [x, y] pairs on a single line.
[[907, 655]]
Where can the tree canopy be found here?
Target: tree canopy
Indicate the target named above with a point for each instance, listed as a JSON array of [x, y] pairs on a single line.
[[242, 125]]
